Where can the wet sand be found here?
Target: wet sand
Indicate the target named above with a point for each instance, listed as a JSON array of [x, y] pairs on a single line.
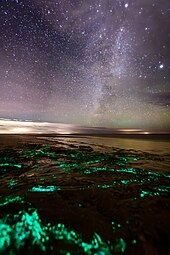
[[66, 196]]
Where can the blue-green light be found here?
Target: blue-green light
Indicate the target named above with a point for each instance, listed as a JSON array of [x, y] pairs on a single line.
[[40, 188]]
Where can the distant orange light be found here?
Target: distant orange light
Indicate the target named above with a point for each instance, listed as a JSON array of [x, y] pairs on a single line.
[[131, 130]]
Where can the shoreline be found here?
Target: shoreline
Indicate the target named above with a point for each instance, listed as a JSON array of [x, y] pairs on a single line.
[[163, 136]]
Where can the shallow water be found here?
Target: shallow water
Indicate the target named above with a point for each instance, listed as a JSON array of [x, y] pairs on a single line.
[[148, 145], [159, 147], [91, 195]]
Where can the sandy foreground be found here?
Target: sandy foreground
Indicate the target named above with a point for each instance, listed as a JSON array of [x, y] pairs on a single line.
[[74, 198]]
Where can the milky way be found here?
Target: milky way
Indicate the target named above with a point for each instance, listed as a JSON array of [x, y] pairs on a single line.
[[94, 62]]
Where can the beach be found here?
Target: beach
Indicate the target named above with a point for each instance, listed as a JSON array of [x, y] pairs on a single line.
[[84, 194]]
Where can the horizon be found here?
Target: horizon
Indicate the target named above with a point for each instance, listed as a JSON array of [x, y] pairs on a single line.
[[9, 126]]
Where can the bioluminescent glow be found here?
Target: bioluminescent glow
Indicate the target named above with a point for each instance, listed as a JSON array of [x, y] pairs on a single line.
[[40, 188], [17, 230], [10, 199], [71, 183]]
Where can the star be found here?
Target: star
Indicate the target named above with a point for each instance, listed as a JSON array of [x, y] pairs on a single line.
[[79, 62], [161, 66]]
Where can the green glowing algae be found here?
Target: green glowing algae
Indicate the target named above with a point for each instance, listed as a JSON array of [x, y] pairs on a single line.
[[133, 183], [9, 164], [120, 245], [144, 193], [134, 241], [105, 186], [135, 159], [12, 184], [39, 153], [40, 188], [25, 228], [10, 199], [5, 236], [156, 191], [93, 170]]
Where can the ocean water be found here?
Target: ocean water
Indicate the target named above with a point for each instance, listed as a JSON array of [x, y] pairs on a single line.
[[148, 144], [84, 195], [156, 145]]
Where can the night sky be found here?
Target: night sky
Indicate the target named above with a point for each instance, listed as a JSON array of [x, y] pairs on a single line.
[[102, 63]]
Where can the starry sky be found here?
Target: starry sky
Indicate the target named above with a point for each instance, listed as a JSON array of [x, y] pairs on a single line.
[[103, 63]]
